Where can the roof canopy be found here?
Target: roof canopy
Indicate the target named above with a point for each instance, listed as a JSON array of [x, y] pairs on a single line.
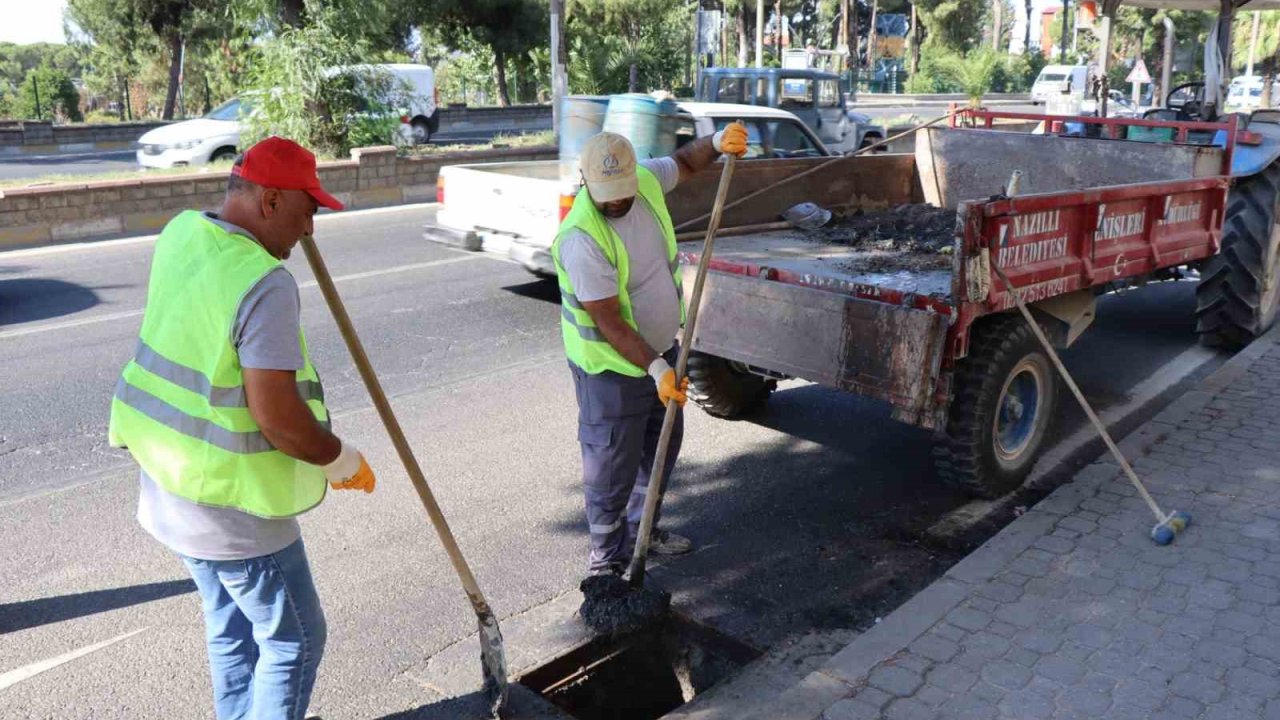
[[1109, 6]]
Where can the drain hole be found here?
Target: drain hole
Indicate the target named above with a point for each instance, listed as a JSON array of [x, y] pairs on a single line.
[[641, 677]]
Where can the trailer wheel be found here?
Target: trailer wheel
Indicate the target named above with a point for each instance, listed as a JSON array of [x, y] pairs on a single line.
[[723, 388], [1005, 394], [1239, 290]]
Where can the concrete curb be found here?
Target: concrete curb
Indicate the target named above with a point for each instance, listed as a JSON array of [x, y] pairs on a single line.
[[374, 177], [846, 672]]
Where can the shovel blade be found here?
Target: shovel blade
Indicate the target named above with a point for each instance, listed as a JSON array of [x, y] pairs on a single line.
[[493, 662]]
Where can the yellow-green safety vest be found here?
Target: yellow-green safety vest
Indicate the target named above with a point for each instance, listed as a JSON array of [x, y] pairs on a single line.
[[583, 342], [180, 405]]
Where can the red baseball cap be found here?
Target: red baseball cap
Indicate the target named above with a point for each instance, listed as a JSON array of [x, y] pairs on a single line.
[[284, 165]]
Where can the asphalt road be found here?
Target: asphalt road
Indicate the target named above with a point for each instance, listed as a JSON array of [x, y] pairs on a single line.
[[806, 517], [33, 167]]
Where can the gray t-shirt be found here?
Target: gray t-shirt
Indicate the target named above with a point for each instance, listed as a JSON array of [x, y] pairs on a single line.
[[266, 338], [654, 298]]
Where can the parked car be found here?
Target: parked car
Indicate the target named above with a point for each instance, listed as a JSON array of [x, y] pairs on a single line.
[[814, 96], [1118, 105], [216, 136]]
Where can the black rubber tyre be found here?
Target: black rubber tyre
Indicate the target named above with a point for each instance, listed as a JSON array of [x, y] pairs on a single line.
[[724, 390], [1002, 408], [223, 153], [1238, 293], [421, 131]]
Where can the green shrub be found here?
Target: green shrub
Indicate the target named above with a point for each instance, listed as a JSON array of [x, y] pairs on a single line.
[[309, 86], [47, 93], [101, 117]]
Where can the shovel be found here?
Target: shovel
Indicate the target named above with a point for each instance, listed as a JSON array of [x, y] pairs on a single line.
[[492, 655], [654, 491]]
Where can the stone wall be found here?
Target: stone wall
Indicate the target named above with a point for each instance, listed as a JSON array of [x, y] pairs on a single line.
[[63, 213], [43, 137]]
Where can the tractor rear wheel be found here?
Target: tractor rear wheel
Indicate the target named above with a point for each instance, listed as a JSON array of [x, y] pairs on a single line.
[[1239, 288]]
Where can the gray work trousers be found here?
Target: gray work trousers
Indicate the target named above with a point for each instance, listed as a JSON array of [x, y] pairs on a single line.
[[619, 421]]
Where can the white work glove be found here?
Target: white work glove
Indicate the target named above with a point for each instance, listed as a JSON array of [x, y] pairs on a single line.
[[349, 471], [665, 378]]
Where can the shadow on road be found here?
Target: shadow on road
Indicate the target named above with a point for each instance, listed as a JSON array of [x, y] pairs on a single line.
[[523, 704], [545, 290], [44, 611], [28, 299], [817, 528]]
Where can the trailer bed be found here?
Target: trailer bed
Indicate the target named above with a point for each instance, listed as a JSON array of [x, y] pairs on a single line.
[[798, 257]]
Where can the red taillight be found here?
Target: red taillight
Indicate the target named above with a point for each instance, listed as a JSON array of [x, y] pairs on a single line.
[[435, 95], [404, 119], [566, 204], [440, 189]]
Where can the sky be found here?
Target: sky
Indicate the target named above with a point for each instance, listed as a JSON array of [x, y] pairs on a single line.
[[30, 21]]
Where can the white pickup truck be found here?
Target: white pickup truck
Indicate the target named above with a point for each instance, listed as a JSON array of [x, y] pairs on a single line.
[[513, 209]]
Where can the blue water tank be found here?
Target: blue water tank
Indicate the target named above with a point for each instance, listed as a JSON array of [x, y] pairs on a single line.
[[649, 123], [581, 117]]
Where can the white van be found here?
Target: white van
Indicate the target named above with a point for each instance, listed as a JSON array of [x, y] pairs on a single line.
[[1245, 94], [1058, 80], [420, 118]]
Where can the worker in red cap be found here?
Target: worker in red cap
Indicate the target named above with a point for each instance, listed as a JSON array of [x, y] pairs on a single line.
[[223, 410]]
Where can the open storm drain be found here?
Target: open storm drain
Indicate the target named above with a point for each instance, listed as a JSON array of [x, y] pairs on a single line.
[[640, 677]]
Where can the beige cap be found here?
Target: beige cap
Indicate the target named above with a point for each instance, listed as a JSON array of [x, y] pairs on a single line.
[[609, 167]]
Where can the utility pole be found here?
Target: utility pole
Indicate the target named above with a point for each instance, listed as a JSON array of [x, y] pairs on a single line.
[[915, 41], [1026, 29], [1253, 42], [559, 57], [997, 15], [759, 33], [871, 38], [777, 30], [1062, 46]]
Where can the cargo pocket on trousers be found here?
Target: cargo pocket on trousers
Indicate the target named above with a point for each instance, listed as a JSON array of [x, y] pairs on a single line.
[[595, 435]]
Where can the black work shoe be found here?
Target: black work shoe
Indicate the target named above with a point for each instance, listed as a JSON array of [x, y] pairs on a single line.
[[669, 543]]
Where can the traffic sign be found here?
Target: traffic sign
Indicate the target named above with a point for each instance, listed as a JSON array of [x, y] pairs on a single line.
[[1139, 73]]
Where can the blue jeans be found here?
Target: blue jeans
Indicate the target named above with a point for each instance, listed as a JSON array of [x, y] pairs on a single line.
[[265, 631]]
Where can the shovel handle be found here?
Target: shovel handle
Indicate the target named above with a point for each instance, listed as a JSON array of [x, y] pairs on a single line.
[[659, 472]]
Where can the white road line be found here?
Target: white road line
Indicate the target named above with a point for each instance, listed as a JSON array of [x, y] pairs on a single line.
[[399, 269], [13, 677], [321, 219], [110, 317], [1168, 375], [65, 324]]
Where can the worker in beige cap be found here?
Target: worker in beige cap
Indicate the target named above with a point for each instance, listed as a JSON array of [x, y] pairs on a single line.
[[621, 307]]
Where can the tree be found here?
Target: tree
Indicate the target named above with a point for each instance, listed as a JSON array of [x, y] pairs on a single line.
[[608, 37], [295, 92], [509, 28], [951, 25], [48, 94]]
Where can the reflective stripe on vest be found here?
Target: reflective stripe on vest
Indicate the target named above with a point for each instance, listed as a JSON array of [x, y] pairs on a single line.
[[195, 381], [584, 344], [180, 405]]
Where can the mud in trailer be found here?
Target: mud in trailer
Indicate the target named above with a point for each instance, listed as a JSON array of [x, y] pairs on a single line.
[[936, 337]]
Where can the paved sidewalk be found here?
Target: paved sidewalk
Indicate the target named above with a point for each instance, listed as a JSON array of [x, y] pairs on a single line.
[[1072, 612]]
